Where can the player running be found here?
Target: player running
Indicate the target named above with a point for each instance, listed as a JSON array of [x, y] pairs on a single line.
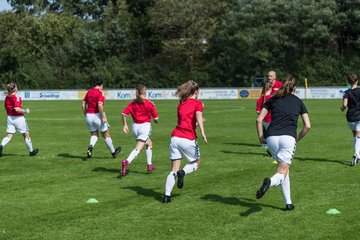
[[183, 138], [351, 100], [93, 109], [15, 119], [281, 135], [141, 111]]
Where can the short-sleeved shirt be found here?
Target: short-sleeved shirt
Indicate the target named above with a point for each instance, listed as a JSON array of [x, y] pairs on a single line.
[[274, 88], [285, 112], [141, 112], [92, 98], [259, 105], [186, 126], [353, 112], [11, 102]]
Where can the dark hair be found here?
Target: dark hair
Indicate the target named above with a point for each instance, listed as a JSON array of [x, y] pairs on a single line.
[[97, 82], [140, 89], [11, 87], [288, 86], [186, 90], [266, 87], [352, 78]]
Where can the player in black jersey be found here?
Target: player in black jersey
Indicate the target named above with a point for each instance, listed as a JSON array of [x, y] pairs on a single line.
[[351, 100], [281, 135]]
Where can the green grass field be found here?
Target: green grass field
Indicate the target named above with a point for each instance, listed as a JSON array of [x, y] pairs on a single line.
[[44, 197]]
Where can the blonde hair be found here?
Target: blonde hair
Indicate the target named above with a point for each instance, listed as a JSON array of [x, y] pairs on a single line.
[[11, 87], [140, 89], [186, 90], [288, 86], [352, 78]]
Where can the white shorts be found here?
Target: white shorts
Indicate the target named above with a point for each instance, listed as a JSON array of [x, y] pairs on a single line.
[[282, 148], [354, 126], [141, 131], [180, 147], [16, 123], [93, 122]]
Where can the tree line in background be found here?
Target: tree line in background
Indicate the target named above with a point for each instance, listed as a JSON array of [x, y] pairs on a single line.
[[47, 44]]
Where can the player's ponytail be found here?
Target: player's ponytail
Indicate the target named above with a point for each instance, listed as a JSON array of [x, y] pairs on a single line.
[[352, 79], [288, 86], [11, 87], [140, 90], [186, 90]]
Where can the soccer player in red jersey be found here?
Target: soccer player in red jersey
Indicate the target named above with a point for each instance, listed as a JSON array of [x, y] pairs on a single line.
[[15, 119], [265, 96], [141, 111], [183, 138], [93, 109], [275, 84]]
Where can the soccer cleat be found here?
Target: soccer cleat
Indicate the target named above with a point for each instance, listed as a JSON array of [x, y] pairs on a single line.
[[1, 150], [150, 167], [124, 165], [166, 199], [34, 152], [354, 161], [89, 151], [180, 182], [117, 151], [289, 207], [263, 189]]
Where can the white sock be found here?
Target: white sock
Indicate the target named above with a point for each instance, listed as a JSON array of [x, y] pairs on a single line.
[[5, 141], [133, 155], [190, 167], [93, 140], [29, 144], [109, 144], [276, 180], [148, 153], [285, 187], [357, 146], [170, 182]]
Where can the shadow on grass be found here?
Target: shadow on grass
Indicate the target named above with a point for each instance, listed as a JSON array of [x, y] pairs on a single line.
[[296, 158], [147, 192], [67, 155], [103, 169], [252, 206], [244, 144]]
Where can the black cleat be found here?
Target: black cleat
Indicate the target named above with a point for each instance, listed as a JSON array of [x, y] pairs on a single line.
[[180, 181], [117, 151], [289, 207], [263, 189], [89, 151], [34, 152], [1, 150], [166, 199]]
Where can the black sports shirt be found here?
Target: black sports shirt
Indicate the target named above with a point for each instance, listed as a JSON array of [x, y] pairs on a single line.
[[285, 112], [353, 96]]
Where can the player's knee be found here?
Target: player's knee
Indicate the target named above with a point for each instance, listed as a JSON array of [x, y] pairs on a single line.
[[149, 146]]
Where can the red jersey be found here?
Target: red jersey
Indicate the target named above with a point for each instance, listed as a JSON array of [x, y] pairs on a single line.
[[141, 112], [187, 119], [11, 102], [275, 87], [92, 98], [259, 105]]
